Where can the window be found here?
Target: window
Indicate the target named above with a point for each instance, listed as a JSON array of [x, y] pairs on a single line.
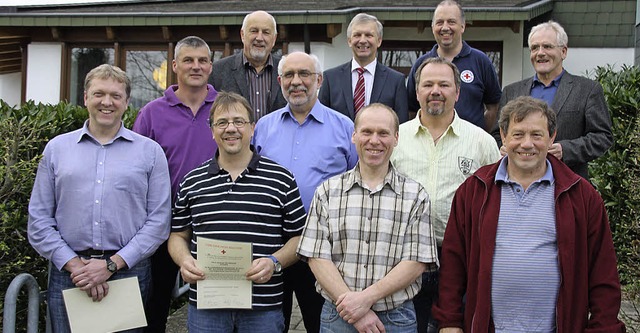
[[83, 60]]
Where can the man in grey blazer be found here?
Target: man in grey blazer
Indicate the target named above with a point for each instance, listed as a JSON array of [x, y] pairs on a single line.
[[584, 124], [382, 84], [253, 73]]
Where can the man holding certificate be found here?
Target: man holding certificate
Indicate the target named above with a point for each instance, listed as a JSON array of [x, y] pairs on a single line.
[[101, 201], [237, 207]]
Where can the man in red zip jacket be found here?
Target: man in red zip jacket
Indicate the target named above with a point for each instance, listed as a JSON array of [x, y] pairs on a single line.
[[528, 241]]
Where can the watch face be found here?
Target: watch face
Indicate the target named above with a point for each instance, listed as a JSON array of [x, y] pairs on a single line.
[[111, 266]]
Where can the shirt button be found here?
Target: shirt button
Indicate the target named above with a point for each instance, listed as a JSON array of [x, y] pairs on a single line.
[[365, 266], [97, 223], [518, 190], [100, 163], [295, 158], [257, 93], [97, 201], [99, 181], [97, 245]]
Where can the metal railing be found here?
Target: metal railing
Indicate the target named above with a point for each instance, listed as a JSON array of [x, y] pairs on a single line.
[[11, 300]]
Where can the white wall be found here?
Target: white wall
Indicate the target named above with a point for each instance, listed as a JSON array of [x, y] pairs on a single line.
[[43, 72], [10, 88]]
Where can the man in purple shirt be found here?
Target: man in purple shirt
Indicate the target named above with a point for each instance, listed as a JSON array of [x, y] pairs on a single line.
[[100, 204], [179, 122], [312, 141]]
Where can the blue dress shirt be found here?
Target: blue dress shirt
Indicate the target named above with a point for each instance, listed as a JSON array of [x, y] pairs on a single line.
[[545, 93], [313, 151], [87, 195]]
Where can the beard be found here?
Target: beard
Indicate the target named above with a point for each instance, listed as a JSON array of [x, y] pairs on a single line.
[[258, 55]]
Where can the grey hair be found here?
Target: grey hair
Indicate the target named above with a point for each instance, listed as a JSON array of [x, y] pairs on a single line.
[[364, 18], [315, 59], [246, 18], [193, 42], [561, 36]]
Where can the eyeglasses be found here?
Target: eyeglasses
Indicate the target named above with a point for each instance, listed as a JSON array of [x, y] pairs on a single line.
[[223, 124], [547, 47], [301, 74]]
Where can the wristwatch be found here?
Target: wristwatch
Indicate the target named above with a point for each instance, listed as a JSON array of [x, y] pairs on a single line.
[[111, 265], [277, 267]]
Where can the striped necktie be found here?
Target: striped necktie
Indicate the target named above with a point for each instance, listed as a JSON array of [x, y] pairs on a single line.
[[358, 95]]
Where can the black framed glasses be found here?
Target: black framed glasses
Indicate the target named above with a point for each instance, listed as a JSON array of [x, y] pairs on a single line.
[[223, 124]]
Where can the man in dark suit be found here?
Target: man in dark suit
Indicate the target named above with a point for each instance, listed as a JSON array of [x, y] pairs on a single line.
[[381, 83], [253, 73], [584, 124]]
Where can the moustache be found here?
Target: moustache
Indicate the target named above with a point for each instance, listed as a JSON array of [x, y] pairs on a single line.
[[441, 99], [297, 89]]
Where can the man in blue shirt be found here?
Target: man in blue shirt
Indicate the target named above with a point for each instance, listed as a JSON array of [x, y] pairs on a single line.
[[480, 91], [314, 142], [101, 201]]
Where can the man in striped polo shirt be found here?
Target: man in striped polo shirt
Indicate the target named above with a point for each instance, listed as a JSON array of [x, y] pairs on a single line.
[[368, 237], [528, 241], [238, 196]]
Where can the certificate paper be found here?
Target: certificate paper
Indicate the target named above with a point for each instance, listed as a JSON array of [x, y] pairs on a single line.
[[120, 310], [224, 264]]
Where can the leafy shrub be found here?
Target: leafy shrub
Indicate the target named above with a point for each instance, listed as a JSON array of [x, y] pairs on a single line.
[[24, 132], [617, 175]]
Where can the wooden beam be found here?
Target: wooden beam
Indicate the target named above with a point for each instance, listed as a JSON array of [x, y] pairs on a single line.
[[111, 33], [166, 33], [421, 26], [333, 29], [224, 32], [56, 33], [227, 50]]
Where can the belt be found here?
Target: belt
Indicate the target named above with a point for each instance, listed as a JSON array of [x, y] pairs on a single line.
[[91, 253]]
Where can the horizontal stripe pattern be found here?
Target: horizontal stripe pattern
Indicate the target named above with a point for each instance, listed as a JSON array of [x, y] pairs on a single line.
[[262, 206]]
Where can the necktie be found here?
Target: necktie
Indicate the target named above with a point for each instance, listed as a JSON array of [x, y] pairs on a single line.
[[358, 94]]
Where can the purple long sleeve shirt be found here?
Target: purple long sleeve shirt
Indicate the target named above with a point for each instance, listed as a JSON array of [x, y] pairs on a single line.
[[186, 138]]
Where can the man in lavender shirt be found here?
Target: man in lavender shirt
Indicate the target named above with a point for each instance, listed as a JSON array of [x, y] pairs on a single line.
[[179, 122], [100, 204], [314, 143]]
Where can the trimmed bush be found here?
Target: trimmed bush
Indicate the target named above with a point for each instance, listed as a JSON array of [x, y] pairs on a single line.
[[617, 177]]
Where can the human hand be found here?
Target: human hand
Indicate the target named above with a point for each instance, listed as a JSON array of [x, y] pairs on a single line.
[[93, 273], [369, 323], [353, 305], [189, 270], [261, 270], [556, 150]]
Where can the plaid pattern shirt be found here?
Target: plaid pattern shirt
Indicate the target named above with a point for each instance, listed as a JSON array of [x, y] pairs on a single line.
[[366, 233]]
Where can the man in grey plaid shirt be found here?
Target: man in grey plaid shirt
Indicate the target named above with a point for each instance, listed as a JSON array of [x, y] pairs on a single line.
[[368, 237]]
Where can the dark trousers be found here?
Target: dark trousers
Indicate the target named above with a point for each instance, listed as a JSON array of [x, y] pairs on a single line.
[[300, 279], [425, 299], [163, 278]]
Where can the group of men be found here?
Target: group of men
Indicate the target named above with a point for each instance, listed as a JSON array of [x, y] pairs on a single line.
[[372, 202]]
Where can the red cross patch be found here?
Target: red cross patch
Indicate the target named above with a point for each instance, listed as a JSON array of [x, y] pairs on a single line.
[[467, 76]]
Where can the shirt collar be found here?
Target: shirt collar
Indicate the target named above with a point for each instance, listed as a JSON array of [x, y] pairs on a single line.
[[416, 126], [465, 51], [122, 133], [267, 64], [317, 112], [555, 82], [503, 176], [391, 180], [370, 67], [214, 167]]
